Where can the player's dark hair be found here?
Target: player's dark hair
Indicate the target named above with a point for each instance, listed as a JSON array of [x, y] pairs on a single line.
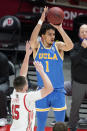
[[60, 126], [19, 83], [45, 27]]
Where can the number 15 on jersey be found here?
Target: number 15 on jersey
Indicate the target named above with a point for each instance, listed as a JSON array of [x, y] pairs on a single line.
[[15, 112]]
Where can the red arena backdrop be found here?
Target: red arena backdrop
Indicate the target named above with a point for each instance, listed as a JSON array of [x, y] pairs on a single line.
[[69, 15], [12, 7]]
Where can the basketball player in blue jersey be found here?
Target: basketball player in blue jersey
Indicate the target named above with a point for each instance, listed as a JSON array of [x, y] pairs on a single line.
[[50, 53]]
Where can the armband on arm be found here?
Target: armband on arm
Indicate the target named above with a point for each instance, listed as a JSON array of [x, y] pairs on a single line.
[[40, 22]]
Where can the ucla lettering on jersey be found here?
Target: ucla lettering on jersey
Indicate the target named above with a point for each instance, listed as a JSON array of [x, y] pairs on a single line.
[[53, 65], [47, 56]]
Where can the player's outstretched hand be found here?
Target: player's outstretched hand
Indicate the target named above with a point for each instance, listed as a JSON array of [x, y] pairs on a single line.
[[44, 14], [28, 48], [39, 67]]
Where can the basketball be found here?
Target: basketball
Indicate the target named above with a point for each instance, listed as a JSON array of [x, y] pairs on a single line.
[[55, 15]]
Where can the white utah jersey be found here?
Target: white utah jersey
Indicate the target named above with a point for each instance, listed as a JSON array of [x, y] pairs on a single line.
[[23, 110]]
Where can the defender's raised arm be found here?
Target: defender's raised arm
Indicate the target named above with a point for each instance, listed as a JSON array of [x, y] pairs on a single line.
[[24, 67]]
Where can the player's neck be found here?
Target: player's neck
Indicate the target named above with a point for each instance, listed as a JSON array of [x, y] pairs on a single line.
[[46, 45], [20, 91]]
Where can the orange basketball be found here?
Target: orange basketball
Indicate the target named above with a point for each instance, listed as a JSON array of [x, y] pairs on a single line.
[[55, 15]]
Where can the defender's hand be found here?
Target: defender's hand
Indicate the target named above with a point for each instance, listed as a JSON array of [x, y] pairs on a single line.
[[28, 48], [39, 66]]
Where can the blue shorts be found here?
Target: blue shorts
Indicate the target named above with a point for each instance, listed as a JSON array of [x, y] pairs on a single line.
[[55, 100]]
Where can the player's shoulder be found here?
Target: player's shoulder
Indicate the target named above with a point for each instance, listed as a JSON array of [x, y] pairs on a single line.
[[59, 43], [35, 50], [29, 96], [33, 95], [30, 93]]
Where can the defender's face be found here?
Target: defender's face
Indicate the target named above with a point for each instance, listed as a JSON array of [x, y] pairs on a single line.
[[83, 31], [49, 37]]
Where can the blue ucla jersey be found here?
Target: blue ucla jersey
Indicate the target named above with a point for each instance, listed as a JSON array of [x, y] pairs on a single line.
[[53, 65]]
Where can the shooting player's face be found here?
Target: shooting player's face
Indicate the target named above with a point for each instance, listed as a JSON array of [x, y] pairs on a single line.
[[49, 36]]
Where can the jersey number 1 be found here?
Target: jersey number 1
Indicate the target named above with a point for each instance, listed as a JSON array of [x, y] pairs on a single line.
[[15, 112], [47, 66]]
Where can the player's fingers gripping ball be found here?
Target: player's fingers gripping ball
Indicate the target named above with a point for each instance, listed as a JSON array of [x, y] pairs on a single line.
[[55, 15]]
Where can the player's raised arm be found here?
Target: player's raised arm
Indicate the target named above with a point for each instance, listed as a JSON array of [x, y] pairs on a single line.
[[37, 28], [24, 67], [48, 88], [67, 44]]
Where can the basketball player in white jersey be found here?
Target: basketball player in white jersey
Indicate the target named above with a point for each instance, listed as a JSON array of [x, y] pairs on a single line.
[[23, 103]]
